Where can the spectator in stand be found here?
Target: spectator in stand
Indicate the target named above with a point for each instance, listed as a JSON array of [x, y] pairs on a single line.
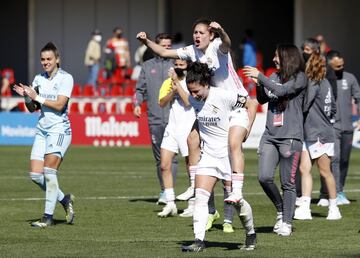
[[50, 92], [93, 56], [347, 89], [249, 49], [319, 136], [324, 48], [120, 47], [281, 143], [153, 74]]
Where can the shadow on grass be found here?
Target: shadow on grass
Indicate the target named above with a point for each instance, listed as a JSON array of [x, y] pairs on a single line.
[[152, 200], [56, 221], [210, 244]]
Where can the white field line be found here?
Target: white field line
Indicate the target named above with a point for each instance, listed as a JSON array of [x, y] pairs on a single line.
[[135, 197]]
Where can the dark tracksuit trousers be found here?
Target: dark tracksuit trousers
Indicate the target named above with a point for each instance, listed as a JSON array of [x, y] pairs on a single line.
[[286, 153]]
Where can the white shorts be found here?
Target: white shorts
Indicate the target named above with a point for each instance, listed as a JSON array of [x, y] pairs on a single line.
[[239, 117], [214, 166], [174, 143], [317, 149], [46, 143]]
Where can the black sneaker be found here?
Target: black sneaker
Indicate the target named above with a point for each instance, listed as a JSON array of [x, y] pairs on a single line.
[[43, 222], [196, 247], [250, 242], [68, 206]]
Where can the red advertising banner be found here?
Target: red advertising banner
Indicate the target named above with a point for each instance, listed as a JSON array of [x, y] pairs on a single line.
[[109, 130]]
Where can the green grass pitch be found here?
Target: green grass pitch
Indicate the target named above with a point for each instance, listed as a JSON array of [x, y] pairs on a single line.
[[116, 191]]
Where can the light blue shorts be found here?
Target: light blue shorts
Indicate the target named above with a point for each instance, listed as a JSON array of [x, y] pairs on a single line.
[[46, 143]]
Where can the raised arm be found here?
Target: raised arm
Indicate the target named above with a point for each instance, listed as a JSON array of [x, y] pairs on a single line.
[[159, 50], [225, 39], [282, 90]]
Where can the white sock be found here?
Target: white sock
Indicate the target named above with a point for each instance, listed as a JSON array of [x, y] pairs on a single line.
[[237, 182], [246, 217], [201, 211], [279, 215], [39, 179], [52, 188], [169, 195], [306, 201], [192, 171], [332, 203]]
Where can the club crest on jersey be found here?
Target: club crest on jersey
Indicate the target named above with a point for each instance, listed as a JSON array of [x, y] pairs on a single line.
[[344, 84], [209, 61], [55, 86], [215, 109]]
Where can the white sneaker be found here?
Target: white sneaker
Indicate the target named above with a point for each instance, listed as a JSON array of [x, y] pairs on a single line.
[[323, 202], [278, 223], [285, 229], [298, 201], [189, 193], [341, 199], [162, 198], [189, 211], [302, 213], [169, 209], [334, 213], [234, 198]]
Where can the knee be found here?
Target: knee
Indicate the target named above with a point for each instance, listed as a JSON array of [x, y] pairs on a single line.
[[165, 166], [265, 179], [37, 178]]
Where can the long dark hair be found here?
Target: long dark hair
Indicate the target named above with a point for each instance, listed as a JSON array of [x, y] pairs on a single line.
[[291, 61]]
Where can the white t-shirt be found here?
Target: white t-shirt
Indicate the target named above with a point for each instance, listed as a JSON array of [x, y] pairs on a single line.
[[213, 121], [61, 84], [225, 75]]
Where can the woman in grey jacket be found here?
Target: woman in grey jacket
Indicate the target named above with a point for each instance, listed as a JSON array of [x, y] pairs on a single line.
[[319, 134], [282, 140]]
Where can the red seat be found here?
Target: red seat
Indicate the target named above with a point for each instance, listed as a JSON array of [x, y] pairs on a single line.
[[102, 77], [76, 90], [103, 90], [74, 108], [115, 109], [129, 108], [22, 107], [129, 91], [88, 107], [7, 92], [270, 71], [88, 90], [143, 107], [116, 90]]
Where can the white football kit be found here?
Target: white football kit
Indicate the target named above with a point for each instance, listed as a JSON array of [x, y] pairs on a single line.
[[214, 125], [181, 120], [53, 133], [224, 77]]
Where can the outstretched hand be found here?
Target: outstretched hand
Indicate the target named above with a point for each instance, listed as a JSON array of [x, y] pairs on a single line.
[[251, 72]]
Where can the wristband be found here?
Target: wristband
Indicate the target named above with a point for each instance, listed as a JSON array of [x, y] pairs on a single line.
[[27, 99], [39, 99]]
